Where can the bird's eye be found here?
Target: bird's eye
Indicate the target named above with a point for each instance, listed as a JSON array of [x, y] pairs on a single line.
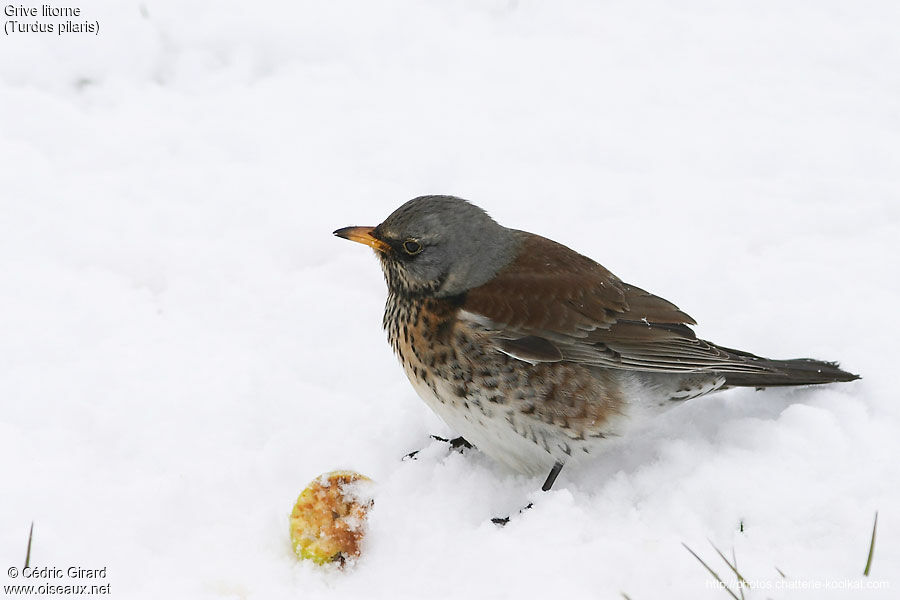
[[412, 247]]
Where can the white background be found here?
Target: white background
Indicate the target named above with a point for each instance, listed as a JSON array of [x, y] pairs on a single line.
[[184, 345]]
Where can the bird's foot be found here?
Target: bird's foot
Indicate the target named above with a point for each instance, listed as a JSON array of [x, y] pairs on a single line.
[[502, 521], [458, 443], [548, 483]]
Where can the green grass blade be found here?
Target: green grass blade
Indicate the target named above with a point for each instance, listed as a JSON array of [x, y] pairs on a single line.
[[733, 567], [711, 572], [871, 547], [734, 561], [28, 551]]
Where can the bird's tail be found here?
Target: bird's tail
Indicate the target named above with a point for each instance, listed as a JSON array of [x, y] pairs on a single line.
[[796, 371]]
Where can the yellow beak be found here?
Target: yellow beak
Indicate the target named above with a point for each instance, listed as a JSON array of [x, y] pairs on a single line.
[[363, 235]]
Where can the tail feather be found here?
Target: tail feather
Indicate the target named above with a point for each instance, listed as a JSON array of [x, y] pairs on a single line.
[[797, 371]]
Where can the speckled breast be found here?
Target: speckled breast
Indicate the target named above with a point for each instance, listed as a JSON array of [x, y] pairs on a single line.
[[525, 416]]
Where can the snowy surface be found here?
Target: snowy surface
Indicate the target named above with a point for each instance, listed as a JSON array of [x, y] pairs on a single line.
[[184, 345]]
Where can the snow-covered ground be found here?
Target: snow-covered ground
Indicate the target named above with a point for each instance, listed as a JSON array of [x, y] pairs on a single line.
[[184, 345]]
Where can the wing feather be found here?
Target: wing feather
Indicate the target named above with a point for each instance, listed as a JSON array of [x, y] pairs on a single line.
[[552, 304]]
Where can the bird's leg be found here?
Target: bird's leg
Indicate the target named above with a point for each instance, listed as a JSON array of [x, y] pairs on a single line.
[[548, 483], [458, 443], [551, 478]]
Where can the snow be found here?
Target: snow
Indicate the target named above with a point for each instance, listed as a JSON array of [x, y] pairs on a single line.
[[185, 346]]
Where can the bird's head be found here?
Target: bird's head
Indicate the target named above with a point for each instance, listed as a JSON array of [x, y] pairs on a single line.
[[437, 246]]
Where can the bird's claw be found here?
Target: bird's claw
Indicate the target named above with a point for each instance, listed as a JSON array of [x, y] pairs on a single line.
[[502, 521], [458, 443], [548, 483]]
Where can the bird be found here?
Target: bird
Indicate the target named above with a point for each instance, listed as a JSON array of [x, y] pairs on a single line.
[[535, 354]]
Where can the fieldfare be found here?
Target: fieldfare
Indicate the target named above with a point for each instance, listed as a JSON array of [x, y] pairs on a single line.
[[534, 353]]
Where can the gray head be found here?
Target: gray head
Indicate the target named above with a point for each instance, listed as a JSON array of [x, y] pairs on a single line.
[[437, 245]]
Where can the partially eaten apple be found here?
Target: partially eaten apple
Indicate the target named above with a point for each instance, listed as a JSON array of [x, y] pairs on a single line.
[[328, 521]]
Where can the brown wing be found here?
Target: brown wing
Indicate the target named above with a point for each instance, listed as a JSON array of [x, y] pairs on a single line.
[[553, 304]]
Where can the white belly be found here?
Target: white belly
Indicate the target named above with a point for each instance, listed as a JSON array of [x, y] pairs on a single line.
[[491, 433]]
